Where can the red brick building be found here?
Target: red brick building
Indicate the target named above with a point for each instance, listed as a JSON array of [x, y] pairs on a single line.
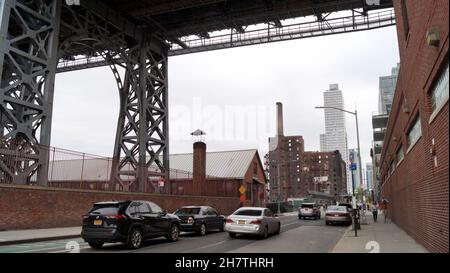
[[414, 160]]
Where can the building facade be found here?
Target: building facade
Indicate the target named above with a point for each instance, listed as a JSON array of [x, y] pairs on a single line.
[[387, 90], [379, 122], [369, 176], [294, 173], [414, 172], [335, 137]]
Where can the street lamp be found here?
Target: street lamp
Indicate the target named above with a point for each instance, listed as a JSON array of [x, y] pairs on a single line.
[[357, 137]]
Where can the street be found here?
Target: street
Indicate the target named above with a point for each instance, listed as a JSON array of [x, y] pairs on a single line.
[[297, 236]]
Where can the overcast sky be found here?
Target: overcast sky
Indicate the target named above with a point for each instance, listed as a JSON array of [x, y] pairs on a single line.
[[231, 94]]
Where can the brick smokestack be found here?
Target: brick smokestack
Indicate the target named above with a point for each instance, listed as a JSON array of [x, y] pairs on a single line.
[[199, 168], [279, 119]]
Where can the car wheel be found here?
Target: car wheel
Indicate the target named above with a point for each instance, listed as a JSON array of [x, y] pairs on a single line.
[[174, 233], [222, 228], [202, 230], [265, 233], [299, 218], [135, 240], [327, 223], [278, 229], [96, 245], [232, 235]]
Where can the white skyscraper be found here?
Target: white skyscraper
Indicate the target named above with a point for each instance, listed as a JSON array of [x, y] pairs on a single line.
[[335, 137]]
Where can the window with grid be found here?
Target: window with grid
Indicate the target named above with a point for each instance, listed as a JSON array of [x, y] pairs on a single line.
[[415, 132], [440, 91]]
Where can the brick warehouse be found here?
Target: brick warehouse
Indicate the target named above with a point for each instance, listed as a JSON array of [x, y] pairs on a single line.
[[414, 170], [296, 173]]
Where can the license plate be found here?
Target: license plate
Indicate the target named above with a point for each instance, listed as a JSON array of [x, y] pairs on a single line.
[[241, 222], [337, 215], [98, 222]]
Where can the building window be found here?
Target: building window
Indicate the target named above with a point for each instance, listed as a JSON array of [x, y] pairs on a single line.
[[439, 93], [400, 155], [405, 18], [414, 133]]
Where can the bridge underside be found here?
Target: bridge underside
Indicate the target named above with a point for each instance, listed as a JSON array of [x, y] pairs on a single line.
[[42, 37]]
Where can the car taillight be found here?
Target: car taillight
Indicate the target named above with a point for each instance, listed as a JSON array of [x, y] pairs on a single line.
[[229, 220], [115, 216], [329, 214], [256, 222], [190, 220]]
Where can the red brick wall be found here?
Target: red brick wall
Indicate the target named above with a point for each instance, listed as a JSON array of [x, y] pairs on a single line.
[[24, 207], [417, 189]]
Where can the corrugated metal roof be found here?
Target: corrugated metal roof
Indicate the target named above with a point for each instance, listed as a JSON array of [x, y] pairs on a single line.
[[226, 164]]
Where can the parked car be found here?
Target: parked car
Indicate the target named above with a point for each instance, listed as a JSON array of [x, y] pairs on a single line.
[[348, 206], [129, 222], [200, 219], [338, 214], [252, 220], [309, 210]]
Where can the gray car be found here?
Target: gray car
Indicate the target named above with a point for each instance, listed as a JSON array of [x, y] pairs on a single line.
[[252, 220], [338, 214]]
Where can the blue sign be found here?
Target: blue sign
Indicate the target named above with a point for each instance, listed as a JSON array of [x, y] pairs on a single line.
[[353, 167]]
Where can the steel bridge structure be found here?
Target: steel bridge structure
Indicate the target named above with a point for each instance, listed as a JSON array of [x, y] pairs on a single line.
[[39, 38]]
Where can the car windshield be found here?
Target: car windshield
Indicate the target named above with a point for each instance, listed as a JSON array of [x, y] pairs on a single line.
[[337, 208], [249, 212], [307, 206], [105, 209], [187, 211]]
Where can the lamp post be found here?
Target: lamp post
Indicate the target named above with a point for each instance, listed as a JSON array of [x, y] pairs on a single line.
[[359, 148]]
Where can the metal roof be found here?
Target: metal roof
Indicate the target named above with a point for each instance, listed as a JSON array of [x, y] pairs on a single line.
[[226, 164]]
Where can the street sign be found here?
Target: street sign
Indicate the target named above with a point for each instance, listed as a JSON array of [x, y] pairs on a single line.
[[351, 157], [242, 189], [242, 198], [354, 167]]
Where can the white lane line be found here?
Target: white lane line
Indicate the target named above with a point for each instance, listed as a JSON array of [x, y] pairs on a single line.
[[206, 246]]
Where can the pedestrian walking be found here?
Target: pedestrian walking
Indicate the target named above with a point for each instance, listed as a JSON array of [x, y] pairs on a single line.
[[375, 212]]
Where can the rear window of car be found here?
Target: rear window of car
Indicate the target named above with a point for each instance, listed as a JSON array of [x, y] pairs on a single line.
[[249, 212], [187, 211], [309, 206], [105, 209], [337, 208]]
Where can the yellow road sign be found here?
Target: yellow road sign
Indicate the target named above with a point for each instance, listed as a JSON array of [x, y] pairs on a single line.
[[242, 189]]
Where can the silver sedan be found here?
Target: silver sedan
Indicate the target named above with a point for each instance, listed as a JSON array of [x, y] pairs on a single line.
[[338, 214], [252, 220]]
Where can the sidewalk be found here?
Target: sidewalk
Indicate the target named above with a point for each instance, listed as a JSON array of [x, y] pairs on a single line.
[[379, 237], [35, 235]]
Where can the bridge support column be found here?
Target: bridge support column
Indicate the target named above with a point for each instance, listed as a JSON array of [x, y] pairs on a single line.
[[141, 150], [28, 58]]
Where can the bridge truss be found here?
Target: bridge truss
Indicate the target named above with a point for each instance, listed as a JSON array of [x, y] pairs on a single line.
[[39, 38]]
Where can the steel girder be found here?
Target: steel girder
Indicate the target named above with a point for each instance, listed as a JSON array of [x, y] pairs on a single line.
[[141, 145], [141, 149], [28, 57], [29, 52]]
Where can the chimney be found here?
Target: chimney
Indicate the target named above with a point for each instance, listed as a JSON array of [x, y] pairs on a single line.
[[279, 119], [199, 168]]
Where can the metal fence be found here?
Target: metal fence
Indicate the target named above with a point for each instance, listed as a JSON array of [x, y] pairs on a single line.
[[77, 170]]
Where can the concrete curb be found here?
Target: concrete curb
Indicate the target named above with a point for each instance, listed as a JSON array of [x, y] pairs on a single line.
[[343, 235], [41, 239]]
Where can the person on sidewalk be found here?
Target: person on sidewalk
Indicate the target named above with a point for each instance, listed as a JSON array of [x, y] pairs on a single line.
[[375, 211]]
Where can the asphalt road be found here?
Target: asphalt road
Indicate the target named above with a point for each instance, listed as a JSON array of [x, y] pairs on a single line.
[[297, 236]]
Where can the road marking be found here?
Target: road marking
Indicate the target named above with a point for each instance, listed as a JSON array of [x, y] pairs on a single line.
[[206, 246], [41, 249]]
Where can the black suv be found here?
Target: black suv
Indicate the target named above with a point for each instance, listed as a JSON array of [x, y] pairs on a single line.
[[129, 222], [200, 219]]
